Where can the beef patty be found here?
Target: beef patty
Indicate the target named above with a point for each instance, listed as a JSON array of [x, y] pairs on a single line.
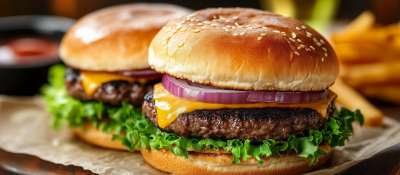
[[255, 124], [113, 92]]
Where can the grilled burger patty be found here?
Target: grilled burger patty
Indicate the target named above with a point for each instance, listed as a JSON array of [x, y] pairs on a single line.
[[113, 92], [255, 124]]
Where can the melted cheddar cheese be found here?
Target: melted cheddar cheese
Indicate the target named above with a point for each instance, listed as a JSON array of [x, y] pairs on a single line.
[[169, 107], [93, 80]]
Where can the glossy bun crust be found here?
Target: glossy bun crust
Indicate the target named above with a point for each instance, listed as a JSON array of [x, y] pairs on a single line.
[[116, 38], [218, 164], [94, 136], [248, 49]]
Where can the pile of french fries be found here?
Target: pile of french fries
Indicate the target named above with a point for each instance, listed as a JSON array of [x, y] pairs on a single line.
[[369, 56]]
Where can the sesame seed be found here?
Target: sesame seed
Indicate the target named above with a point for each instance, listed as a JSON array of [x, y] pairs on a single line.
[[312, 47], [291, 39], [298, 40], [297, 53], [200, 24], [198, 20], [191, 24], [248, 25], [235, 34], [302, 45], [326, 54], [249, 28], [322, 59], [307, 49], [304, 27], [167, 30], [181, 44], [240, 27], [269, 84], [322, 41], [204, 27], [221, 17], [227, 20], [277, 31], [263, 34], [196, 30], [215, 17], [315, 40], [319, 44], [182, 22], [228, 27], [207, 22], [242, 33], [236, 24], [264, 27], [184, 29], [309, 34], [191, 20], [174, 31], [283, 33], [226, 30], [178, 26], [323, 48], [235, 17], [298, 28], [259, 38], [298, 48], [187, 19], [213, 25], [165, 42], [213, 20], [293, 35]]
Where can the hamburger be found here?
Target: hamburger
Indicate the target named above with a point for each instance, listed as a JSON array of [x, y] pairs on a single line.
[[244, 91], [108, 73]]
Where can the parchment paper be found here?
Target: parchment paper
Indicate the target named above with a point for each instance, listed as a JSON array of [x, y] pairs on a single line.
[[24, 128]]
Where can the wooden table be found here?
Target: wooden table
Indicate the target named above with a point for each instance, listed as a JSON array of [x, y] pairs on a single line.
[[16, 164]]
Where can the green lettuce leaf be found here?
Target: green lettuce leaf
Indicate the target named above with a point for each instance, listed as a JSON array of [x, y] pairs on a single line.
[[74, 113], [141, 133]]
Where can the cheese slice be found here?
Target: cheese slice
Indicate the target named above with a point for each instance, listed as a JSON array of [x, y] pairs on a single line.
[[93, 80], [169, 107]]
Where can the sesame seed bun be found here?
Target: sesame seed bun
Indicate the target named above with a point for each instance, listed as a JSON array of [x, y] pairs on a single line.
[[247, 49], [94, 136], [116, 38], [221, 164]]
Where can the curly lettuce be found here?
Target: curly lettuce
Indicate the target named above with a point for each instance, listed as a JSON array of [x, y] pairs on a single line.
[[141, 133], [74, 113]]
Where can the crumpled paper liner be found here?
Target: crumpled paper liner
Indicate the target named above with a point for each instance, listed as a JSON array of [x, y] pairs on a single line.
[[24, 128]]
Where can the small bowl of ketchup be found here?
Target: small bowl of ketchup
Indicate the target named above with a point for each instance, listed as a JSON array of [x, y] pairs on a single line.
[[28, 47]]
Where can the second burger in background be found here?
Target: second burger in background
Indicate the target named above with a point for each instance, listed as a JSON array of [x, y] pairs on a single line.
[[108, 73], [244, 92]]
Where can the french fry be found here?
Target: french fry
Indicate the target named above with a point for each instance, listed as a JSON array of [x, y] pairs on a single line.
[[384, 93], [362, 75], [350, 53], [351, 99], [362, 23]]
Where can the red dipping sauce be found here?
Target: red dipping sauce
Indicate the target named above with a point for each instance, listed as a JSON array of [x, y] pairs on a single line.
[[27, 50]]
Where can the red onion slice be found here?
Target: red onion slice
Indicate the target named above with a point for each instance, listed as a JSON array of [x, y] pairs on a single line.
[[208, 94], [149, 73]]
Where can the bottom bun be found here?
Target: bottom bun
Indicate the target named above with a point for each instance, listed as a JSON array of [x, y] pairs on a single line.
[[92, 135], [209, 163]]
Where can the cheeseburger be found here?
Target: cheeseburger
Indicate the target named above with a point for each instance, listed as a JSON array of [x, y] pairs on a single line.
[[108, 73], [244, 91]]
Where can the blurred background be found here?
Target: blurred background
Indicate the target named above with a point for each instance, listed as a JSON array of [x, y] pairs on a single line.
[[365, 34]]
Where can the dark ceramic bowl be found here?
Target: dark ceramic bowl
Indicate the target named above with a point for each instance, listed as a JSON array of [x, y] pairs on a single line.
[[26, 79]]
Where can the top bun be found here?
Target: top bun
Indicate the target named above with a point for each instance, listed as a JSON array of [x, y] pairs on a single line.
[[247, 49], [116, 38]]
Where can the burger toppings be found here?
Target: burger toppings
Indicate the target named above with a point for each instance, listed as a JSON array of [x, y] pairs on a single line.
[[191, 91], [255, 124], [114, 92], [169, 106]]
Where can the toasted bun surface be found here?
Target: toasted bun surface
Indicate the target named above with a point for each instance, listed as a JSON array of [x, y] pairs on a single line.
[[116, 38], [241, 48], [94, 136], [220, 164]]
